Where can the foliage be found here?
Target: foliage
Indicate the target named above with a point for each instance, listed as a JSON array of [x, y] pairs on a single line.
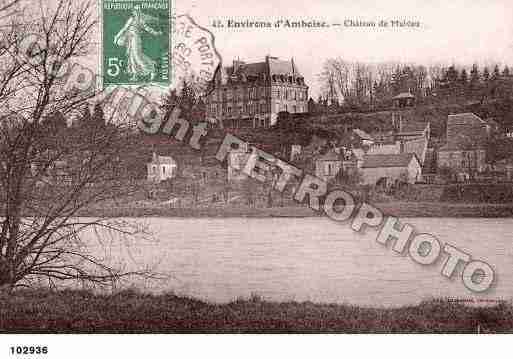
[[49, 172]]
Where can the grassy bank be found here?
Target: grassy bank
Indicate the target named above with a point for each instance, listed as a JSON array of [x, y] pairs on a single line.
[[132, 312], [398, 209]]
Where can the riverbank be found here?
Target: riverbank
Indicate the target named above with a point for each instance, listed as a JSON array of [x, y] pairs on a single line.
[[398, 209], [73, 311]]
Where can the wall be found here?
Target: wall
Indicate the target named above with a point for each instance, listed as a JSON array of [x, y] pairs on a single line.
[[156, 174], [372, 175], [454, 160], [321, 169], [382, 149]]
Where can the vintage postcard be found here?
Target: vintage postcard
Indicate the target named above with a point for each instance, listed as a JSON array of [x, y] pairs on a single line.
[[172, 166]]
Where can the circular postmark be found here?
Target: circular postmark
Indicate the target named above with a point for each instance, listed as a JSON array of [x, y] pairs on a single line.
[[194, 57]]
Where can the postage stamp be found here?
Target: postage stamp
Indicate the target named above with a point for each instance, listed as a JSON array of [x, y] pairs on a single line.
[[135, 42]]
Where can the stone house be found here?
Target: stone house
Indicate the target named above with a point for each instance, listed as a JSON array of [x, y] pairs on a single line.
[[465, 150], [237, 159], [389, 169], [328, 165], [417, 145], [161, 168]]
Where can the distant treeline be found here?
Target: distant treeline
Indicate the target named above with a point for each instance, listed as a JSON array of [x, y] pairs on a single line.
[[360, 85]]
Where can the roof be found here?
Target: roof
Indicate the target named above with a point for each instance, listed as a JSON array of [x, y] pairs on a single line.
[[491, 122], [363, 135], [465, 119], [461, 147], [413, 127], [163, 160], [275, 67], [403, 95], [395, 160], [281, 67], [331, 155], [417, 146]]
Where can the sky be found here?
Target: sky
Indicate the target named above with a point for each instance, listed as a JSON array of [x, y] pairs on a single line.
[[456, 31], [451, 32]]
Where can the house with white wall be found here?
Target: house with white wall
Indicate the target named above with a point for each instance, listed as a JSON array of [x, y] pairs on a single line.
[[161, 168], [388, 169], [328, 165]]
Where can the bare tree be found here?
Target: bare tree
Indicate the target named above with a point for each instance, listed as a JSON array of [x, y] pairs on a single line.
[[51, 177]]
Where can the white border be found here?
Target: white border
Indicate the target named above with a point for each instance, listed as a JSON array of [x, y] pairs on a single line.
[[260, 346]]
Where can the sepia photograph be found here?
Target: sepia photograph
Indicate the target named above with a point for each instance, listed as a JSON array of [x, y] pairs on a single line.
[[270, 167]]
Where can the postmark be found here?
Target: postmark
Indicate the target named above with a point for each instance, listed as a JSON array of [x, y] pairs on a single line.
[[194, 56], [135, 42]]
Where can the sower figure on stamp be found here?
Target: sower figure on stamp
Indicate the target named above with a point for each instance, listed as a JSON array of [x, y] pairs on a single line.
[[138, 64]]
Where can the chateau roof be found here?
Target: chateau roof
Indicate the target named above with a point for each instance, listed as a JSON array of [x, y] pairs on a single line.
[[280, 67], [272, 66], [393, 160]]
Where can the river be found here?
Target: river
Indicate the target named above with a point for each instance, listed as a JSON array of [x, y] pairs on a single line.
[[311, 259]]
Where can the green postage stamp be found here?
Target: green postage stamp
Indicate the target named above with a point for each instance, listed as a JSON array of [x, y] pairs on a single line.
[[135, 42]]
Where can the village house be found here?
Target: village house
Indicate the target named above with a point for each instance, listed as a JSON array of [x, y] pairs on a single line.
[[161, 168], [410, 130], [237, 159], [362, 137], [410, 137], [465, 149], [205, 169], [328, 165], [386, 170]]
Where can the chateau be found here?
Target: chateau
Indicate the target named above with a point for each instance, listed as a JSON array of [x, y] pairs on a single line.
[[252, 94]]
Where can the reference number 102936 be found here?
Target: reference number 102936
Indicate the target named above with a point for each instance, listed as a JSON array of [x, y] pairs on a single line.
[[28, 350]]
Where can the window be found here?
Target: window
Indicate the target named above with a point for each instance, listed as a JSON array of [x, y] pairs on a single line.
[[163, 170], [328, 169], [155, 169]]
